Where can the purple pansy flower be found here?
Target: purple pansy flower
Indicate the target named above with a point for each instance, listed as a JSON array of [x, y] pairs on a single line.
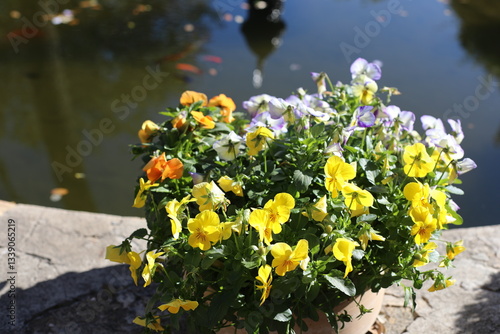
[[365, 117]]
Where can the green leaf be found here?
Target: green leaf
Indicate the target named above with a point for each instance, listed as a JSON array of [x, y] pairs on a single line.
[[160, 190], [409, 294], [140, 233], [343, 284], [169, 113], [377, 189], [458, 219], [301, 180], [284, 316], [358, 254], [371, 175], [211, 256], [313, 291], [195, 105], [366, 218], [454, 190], [317, 130], [192, 259]]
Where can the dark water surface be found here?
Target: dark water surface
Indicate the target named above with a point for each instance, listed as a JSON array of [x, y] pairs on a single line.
[[76, 90]]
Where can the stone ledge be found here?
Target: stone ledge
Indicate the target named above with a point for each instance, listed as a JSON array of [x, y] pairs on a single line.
[[64, 284]]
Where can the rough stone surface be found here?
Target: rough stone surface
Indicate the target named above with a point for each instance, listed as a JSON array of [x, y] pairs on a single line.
[[63, 284]]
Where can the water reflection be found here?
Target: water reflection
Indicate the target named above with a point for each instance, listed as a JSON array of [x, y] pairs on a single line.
[[480, 31], [480, 36], [81, 78], [262, 31]]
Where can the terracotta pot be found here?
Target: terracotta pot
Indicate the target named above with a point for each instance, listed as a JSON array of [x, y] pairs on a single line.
[[369, 300]]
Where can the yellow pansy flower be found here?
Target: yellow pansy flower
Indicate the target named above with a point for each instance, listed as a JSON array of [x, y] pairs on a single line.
[[286, 259], [175, 305], [441, 285], [453, 250], [226, 230], [356, 198], [425, 224], [417, 161], [173, 210], [369, 236], [135, 263], [279, 208], [204, 230], [423, 256], [140, 198], [337, 174], [131, 258], [318, 210], [147, 131], [155, 325], [150, 267], [342, 250], [265, 278], [417, 193], [228, 184], [113, 254], [260, 219], [257, 139], [209, 196], [365, 91]]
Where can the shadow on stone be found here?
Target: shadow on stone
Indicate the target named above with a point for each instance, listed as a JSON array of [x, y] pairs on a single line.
[[101, 300], [482, 315]]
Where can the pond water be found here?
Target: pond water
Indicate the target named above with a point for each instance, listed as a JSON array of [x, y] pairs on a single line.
[[76, 90]]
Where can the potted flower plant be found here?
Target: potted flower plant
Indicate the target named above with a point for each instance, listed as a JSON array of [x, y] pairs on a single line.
[[267, 220]]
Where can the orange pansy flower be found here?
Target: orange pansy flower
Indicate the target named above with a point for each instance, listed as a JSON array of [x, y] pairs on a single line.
[[159, 167], [179, 121], [173, 169], [226, 104], [189, 97], [206, 121]]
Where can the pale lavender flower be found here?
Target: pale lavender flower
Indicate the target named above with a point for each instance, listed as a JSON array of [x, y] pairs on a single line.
[[434, 136], [449, 144], [319, 79], [335, 149], [228, 148], [302, 109], [256, 104], [278, 125], [278, 108], [456, 129], [391, 112], [465, 165], [197, 178], [453, 205], [431, 122], [407, 119], [315, 102], [361, 67]]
